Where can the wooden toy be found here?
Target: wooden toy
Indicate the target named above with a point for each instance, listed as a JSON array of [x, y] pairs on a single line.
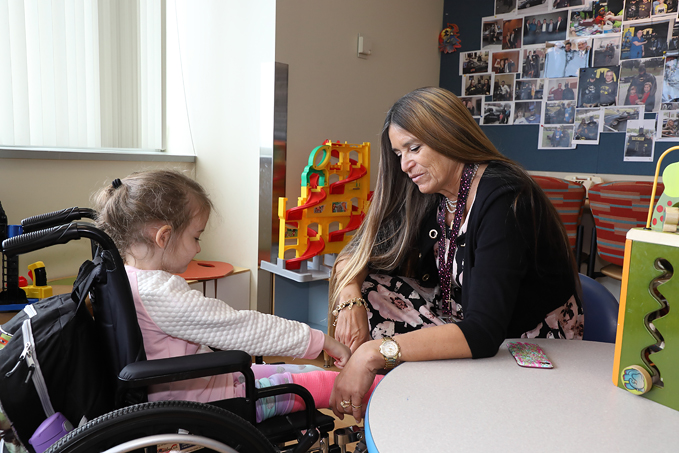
[[647, 344], [334, 200]]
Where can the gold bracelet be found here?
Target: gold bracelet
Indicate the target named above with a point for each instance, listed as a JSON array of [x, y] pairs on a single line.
[[348, 303]]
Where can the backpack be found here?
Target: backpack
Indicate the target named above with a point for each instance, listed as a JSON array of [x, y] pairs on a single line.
[[62, 369]]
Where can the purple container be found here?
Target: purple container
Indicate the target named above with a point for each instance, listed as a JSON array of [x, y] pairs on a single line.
[[50, 431]]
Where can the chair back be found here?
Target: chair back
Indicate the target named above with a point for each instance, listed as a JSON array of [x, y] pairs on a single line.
[[568, 198], [601, 311], [617, 207]]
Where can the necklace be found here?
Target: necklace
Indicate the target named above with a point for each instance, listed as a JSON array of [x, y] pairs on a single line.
[[446, 261], [451, 205]]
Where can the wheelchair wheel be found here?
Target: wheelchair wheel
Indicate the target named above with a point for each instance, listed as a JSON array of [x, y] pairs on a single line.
[[164, 417]]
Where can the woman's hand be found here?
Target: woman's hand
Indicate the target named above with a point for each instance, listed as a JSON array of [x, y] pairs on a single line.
[[352, 327], [336, 350], [355, 380]]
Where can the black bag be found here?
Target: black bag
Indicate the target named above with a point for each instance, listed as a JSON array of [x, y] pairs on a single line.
[[77, 377]]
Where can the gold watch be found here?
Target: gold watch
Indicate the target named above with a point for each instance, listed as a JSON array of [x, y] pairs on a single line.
[[391, 352]]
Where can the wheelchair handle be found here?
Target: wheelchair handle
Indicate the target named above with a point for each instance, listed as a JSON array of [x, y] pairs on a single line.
[[62, 234], [51, 219]]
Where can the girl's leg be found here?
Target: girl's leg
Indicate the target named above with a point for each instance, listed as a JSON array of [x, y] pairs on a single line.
[[265, 370], [319, 384]]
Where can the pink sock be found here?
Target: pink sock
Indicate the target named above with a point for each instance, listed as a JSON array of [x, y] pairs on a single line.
[[319, 384]]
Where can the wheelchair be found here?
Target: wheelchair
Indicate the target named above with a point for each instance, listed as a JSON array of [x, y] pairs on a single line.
[[133, 423]]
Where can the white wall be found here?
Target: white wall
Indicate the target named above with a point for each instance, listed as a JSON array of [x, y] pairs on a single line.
[[35, 186], [335, 95], [215, 53]]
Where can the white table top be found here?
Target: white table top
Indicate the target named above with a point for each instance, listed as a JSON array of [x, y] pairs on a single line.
[[495, 405]]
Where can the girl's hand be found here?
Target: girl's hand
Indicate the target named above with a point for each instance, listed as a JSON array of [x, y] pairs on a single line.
[[352, 327], [354, 382], [337, 350]]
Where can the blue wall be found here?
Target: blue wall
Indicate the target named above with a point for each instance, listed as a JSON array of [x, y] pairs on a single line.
[[521, 142]]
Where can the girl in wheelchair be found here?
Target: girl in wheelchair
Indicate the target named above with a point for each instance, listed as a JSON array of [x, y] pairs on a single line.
[[156, 219]]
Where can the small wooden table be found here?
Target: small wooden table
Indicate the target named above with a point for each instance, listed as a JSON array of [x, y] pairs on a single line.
[[202, 271]]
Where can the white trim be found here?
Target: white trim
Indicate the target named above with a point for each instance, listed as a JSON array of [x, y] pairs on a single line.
[[653, 237]]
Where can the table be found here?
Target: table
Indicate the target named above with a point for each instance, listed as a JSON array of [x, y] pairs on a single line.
[[492, 404], [202, 271]]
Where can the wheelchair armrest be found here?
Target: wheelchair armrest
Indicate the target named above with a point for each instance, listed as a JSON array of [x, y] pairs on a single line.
[[149, 372]]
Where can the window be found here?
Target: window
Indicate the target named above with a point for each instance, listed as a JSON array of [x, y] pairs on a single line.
[[81, 74]]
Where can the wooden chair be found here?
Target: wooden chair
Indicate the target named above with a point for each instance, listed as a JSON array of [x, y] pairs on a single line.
[[568, 198], [617, 206]]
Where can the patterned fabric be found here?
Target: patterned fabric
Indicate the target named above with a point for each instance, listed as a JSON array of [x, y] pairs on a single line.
[[398, 305], [568, 198], [617, 207]]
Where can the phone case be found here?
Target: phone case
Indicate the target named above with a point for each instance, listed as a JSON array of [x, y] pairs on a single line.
[[529, 355]]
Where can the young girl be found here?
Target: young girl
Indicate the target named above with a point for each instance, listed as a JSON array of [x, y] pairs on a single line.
[[633, 97], [156, 219]]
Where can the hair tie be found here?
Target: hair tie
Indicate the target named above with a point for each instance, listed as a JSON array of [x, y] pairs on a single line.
[[117, 183]]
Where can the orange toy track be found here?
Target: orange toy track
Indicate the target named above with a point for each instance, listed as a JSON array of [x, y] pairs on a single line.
[[354, 174], [354, 223], [314, 199], [313, 248]]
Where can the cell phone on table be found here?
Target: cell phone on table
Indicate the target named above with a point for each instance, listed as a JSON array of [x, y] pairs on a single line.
[[529, 355]]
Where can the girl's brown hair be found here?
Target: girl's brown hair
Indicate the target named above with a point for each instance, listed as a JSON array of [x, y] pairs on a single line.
[[166, 196]]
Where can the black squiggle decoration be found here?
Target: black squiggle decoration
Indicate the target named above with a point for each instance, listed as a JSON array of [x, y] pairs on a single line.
[[660, 264]]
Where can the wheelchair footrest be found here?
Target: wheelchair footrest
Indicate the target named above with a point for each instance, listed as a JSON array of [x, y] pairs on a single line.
[[285, 428]]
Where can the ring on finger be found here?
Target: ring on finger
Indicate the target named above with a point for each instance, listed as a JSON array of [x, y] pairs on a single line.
[[355, 406], [345, 404]]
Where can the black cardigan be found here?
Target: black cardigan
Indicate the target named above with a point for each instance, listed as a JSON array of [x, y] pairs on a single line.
[[510, 280]]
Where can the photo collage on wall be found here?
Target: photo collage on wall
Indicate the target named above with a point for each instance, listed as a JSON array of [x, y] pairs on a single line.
[[579, 68]]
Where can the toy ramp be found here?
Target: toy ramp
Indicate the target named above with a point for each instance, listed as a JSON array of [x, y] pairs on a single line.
[[355, 174], [315, 247]]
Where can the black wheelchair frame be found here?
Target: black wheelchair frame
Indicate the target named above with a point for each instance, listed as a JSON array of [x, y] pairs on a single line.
[[134, 424]]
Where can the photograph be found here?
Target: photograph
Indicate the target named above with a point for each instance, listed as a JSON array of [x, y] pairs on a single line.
[[670, 87], [527, 112], [606, 51], [641, 83], [615, 118], [663, 7], [491, 33], [504, 6], [640, 141], [559, 112], [592, 21], [561, 4], [644, 40], [477, 85], [566, 58], [474, 62], [540, 28], [598, 87], [503, 87], [556, 137], [673, 45], [668, 126], [586, 130], [562, 89], [473, 104], [533, 66], [505, 61], [529, 89], [497, 113], [524, 7], [511, 33], [637, 9]]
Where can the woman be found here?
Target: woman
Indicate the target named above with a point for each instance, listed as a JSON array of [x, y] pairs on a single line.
[[509, 272]]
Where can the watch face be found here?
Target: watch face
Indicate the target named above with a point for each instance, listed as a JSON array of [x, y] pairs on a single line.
[[389, 348]]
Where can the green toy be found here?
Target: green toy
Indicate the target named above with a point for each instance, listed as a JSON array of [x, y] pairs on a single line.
[[647, 343]]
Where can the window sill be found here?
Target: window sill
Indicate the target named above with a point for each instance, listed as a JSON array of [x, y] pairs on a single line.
[[124, 154]]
